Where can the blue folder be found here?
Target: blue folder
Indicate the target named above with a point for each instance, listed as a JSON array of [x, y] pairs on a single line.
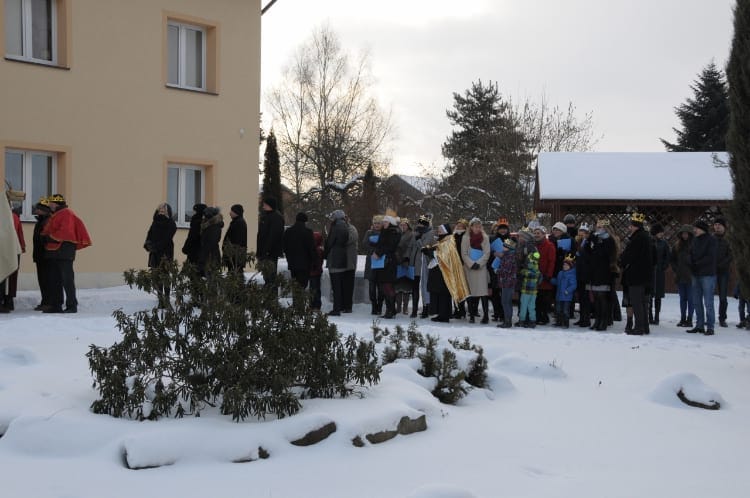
[[407, 272], [377, 264], [475, 254]]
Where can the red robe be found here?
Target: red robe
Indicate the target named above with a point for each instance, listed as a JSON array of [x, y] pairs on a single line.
[[65, 226], [547, 257]]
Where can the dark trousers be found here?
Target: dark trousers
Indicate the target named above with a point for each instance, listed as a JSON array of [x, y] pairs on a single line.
[[348, 290], [722, 282], [443, 305], [337, 287], [639, 301], [62, 279], [415, 294], [315, 292], [301, 278], [42, 278], [544, 300]]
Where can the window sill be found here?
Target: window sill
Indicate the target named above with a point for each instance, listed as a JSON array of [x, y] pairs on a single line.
[[37, 63], [192, 90]]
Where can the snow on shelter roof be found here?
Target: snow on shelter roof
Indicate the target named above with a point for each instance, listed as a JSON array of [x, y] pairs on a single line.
[[634, 175]]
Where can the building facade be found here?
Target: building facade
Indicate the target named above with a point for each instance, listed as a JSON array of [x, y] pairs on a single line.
[[122, 105]]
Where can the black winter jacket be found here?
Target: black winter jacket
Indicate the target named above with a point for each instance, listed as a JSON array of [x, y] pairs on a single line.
[[637, 260], [269, 243], [299, 247], [703, 256], [723, 254], [159, 243]]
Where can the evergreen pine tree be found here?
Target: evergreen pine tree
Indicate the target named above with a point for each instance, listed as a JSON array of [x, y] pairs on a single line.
[[272, 171], [738, 76], [705, 117], [486, 153]]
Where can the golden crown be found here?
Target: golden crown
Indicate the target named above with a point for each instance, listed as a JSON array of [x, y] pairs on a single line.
[[44, 201], [569, 259], [638, 217], [56, 198], [603, 222]]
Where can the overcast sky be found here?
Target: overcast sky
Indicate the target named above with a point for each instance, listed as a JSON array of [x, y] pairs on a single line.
[[629, 62]]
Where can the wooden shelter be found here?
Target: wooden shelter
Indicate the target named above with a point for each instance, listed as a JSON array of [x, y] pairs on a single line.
[[671, 188]]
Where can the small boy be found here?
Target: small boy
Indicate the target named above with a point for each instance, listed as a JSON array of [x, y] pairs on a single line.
[[530, 277], [566, 282]]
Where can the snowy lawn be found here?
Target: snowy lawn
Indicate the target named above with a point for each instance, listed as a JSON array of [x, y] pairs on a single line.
[[570, 413]]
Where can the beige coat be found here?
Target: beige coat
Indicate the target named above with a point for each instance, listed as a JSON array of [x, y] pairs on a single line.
[[478, 279]]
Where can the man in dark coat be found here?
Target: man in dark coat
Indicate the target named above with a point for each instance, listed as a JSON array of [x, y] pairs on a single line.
[[234, 246], [42, 214], [299, 248], [335, 254], [723, 262], [703, 264], [637, 272], [192, 246], [269, 242], [160, 246]]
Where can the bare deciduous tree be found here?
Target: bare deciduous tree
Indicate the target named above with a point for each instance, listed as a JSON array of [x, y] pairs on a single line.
[[329, 127]]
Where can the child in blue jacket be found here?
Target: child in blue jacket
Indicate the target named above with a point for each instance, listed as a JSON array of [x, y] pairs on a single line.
[[566, 287]]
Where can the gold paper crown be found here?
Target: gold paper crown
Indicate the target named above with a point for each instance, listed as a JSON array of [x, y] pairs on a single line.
[[44, 201], [57, 198], [638, 217], [406, 220], [569, 259], [530, 216], [378, 218], [603, 222], [463, 221]]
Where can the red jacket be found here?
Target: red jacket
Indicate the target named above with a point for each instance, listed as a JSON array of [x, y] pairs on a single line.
[[547, 257], [19, 231]]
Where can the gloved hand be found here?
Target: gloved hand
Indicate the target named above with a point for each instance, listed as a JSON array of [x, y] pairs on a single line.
[[475, 266]]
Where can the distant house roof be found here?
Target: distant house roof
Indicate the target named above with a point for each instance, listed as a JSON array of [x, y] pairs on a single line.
[[658, 176], [421, 183]]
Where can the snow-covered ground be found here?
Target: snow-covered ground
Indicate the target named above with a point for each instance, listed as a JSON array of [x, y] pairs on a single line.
[[570, 413]]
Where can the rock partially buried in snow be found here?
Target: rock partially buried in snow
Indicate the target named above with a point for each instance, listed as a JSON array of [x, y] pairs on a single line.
[[405, 427], [686, 388], [315, 436]]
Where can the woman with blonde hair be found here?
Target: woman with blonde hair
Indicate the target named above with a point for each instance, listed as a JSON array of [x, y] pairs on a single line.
[[475, 252]]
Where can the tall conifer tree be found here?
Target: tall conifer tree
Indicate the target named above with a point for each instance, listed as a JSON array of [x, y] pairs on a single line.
[[272, 171], [705, 117], [738, 142]]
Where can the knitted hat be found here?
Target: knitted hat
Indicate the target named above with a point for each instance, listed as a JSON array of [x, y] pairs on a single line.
[[238, 210], [656, 228], [301, 217], [685, 229], [585, 227], [721, 221], [502, 222], [560, 226], [337, 215], [569, 219], [701, 224], [271, 202], [475, 221], [211, 211], [569, 260], [199, 208]]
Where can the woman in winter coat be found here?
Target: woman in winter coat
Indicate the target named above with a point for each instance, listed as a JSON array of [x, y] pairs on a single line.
[[405, 274], [475, 252], [386, 276], [160, 246], [680, 263], [336, 258], [210, 255], [661, 262], [602, 253], [369, 241], [506, 280], [583, 275]]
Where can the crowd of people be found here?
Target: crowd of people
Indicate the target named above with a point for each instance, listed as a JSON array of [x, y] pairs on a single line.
[[58, 234], [451, 271]]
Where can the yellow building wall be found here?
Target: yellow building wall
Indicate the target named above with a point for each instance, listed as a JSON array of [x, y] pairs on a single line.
[[115, 124]]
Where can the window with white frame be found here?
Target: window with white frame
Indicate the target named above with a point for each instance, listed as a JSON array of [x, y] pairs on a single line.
[[185, 188], [186, 56], [31, 30], [34, 172]]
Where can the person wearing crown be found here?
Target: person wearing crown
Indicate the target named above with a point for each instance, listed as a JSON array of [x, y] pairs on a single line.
[[64, 234], [602, 255], [638, 272]]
